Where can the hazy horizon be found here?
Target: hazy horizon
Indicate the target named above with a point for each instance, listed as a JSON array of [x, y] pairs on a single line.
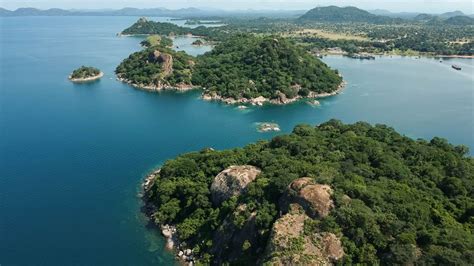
[[426, 6]]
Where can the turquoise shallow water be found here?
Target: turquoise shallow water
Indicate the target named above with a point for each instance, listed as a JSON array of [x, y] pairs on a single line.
[[72, 156]]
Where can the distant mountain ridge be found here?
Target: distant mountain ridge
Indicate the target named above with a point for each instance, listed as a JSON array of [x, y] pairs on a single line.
[[130, 11], [352, 14]]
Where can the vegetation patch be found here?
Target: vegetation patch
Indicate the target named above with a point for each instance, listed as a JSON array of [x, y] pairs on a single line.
[[396, 200]]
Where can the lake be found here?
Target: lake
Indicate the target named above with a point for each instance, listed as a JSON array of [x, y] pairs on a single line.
[[72, 156]]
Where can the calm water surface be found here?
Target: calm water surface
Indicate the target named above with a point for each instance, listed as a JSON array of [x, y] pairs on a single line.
[[72, 156]]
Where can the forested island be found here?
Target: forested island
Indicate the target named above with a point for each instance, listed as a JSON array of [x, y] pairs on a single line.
[[242, 69], [85, 74], [330, 194]]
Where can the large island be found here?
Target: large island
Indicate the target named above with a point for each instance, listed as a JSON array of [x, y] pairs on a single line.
[[243, 69], [335, 193]]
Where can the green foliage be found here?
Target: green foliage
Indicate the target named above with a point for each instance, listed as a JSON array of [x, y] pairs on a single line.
[[246, 66], [85, 72], [157, 40], [397, 200], [144, 68], [144, 26]]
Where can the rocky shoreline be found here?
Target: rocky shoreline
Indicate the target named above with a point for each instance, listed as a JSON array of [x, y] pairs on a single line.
[[182, 87], [212, 96], [169, 232], [281, 100], [88, 79]]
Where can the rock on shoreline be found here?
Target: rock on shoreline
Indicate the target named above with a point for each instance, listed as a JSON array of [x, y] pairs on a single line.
[[168, 231], [181, 87], [260, 101]]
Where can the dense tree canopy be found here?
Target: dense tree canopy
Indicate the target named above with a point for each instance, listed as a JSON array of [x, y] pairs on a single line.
[[397, 200], [246, 66], [85, 72], [149, 68]]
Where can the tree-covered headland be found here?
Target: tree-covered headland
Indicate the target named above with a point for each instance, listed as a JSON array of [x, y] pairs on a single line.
[[378, 196]]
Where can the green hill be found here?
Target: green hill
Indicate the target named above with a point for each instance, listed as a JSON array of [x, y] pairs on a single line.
[[144, 26], [157, 67], [248, 67], [342, 15], [387, 199], [460, 21]]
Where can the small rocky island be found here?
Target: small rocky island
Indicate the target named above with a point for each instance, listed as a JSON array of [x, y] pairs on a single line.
[[268, 127], [198, 43], [85, 74]]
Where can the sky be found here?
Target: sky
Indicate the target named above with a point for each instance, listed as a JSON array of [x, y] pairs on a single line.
[[429, 6]]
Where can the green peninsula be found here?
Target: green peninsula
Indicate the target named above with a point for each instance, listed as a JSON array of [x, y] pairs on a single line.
[[331, 194]]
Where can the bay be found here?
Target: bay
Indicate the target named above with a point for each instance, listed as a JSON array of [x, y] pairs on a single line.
[[72, 156]]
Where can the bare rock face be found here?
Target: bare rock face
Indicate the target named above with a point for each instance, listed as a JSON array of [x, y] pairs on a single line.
[[167, 64], [314, 198], [290, 245], [166, 61], [232, 181]]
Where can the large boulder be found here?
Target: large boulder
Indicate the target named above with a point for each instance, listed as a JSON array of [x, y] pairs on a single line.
[[314, 198], [289, 244], [232, 182]]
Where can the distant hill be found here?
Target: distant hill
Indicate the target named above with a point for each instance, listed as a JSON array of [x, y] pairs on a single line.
[[460, 21], [342, 14], [424, 17], [402, 15], [452, 14]]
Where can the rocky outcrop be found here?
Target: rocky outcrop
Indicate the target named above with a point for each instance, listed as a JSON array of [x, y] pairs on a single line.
[[289, 244], [229, 238], [232, 182], [314, 198], [166, 61]]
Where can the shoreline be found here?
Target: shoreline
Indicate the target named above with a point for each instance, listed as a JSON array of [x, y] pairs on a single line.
[[260, 101], [182, 253], [162, 87], [404, 55], [81, 80]]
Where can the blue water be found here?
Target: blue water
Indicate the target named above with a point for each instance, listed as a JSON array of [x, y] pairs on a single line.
[[72, 156]]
